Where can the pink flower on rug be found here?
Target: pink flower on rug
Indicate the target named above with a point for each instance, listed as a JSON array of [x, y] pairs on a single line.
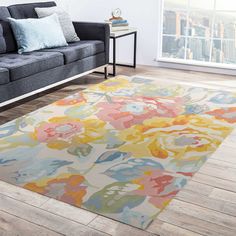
[[160, 186], [63, 130], [124, 113]]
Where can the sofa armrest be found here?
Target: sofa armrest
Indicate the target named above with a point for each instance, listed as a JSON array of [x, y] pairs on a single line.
[[94, 31]]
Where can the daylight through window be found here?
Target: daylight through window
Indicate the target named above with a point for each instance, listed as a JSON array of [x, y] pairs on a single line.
[[200, 30]]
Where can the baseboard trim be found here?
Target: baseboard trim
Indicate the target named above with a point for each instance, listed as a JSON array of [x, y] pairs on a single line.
[[49, 87]]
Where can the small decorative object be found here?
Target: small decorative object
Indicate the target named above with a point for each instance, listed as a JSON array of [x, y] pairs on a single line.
[[116, 14], [117, 23]]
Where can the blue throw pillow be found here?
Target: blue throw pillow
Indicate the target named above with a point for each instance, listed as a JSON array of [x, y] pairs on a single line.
[[36, 34]]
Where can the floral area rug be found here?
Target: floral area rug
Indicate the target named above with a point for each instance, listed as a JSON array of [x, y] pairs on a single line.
[[123, 148]]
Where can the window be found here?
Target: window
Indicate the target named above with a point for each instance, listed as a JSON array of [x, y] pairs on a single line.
[[199, 31]]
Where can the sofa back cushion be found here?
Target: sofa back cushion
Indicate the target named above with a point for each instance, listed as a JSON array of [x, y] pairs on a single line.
[[4, 13], [7, 39], [23, 11], [65, 21]]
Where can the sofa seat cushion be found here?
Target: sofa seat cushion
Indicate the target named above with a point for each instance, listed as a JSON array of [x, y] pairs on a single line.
[[79, 50], [27, 64], [4, 76]]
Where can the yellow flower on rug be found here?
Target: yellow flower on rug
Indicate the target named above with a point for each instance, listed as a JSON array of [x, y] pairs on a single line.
[[183, 137], [112, 85]]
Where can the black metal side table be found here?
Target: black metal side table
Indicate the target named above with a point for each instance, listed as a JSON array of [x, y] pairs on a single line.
[[119, 34]]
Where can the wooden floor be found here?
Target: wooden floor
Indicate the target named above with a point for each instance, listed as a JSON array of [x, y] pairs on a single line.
[[206, 206]]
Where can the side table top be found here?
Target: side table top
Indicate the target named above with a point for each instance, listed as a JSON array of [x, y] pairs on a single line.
[[115, 34]]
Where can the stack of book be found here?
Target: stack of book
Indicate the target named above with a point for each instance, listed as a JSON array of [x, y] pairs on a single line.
[[118, 24]]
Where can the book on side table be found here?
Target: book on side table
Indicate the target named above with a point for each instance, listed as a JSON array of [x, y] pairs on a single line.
[[118, 25]]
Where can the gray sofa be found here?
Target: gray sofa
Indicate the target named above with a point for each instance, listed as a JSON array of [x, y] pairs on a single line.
[[24, 75]]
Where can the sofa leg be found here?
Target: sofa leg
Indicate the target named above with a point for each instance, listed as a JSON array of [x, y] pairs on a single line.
[[106, 72]]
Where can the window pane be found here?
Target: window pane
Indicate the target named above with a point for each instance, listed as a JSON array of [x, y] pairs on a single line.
[[225, 25], [217, 53], [200, 30], [225, 5], [198, 49], [173, 47], [229, 50], [174, 23], [175, 4], [202, 4], [200, 23]]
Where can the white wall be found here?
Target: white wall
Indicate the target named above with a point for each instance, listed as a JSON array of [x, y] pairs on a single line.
[[142, 14]]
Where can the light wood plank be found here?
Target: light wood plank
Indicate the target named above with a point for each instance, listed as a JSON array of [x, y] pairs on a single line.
[[73, 213], [226, 196], [225, 153], [226, 173], [164, 229], [14, 226], [115, 228], [207, 202], [202, 213], [221, 164], [215, 182], [45, 219], [198, 187], [22, 195], [230, 140], [194, 224]]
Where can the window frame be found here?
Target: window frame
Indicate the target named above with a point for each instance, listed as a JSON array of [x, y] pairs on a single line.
[[161, 58]]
